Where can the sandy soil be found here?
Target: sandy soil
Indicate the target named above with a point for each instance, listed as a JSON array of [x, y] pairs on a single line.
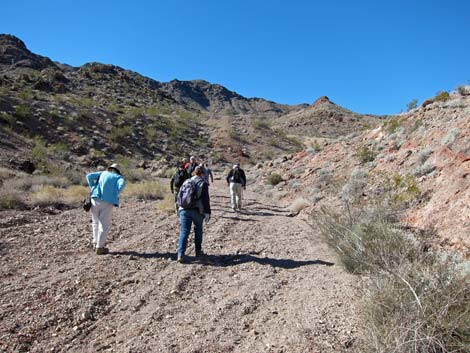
[[268, 284]]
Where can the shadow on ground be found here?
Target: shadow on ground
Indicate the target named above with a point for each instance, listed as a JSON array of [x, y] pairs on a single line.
[[227, 260]]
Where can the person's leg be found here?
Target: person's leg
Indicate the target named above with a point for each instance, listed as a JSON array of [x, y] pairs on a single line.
[[185, 223], [233, 195], [239, 196], [176, 198], [198, 220], [105, 220], [95, 220]]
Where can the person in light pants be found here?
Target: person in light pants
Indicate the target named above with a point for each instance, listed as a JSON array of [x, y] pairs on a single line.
[[105, 189], [237, 180], [101, 212]]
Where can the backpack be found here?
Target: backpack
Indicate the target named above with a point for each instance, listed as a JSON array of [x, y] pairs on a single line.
[[190, 192], [180, 177], [237, 176]]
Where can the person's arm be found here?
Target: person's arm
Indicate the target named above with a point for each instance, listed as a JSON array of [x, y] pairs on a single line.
[[229, 176], [206, 203], [92, 179], [172, 182], [243, 178], [121, 184], [212, 177]]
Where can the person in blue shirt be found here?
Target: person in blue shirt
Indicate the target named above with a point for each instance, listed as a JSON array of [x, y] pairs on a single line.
[[105, 189]]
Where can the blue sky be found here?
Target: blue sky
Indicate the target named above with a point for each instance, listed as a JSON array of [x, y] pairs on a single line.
[[370, 56]]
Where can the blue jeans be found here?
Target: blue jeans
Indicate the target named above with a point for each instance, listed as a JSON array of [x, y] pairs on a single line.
[[187, 218]]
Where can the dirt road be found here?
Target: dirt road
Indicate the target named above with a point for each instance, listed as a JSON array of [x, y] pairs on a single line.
[[268, 284]]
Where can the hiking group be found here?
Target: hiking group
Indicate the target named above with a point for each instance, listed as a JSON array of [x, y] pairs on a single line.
[[189, 184]]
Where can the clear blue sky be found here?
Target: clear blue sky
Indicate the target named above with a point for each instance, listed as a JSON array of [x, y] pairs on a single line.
[[370, 56]]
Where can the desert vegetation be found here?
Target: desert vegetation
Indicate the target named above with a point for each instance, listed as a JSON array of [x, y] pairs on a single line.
[[415, 299]]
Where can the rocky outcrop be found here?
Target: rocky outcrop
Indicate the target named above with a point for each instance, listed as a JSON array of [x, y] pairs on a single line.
[[13, 52]]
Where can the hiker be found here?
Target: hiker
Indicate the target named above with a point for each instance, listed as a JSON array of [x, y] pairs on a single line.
[[191, 165], [207, 173], [177, 180], [105, 189], [237, 180], [194, 207]]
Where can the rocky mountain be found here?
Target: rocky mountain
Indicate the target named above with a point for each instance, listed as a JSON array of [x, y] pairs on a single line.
[[326, 119], [419, 161], [98, 112]]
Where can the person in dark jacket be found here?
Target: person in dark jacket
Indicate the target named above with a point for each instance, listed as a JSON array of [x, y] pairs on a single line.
[[198, 214], [177, 180], [236, 179]]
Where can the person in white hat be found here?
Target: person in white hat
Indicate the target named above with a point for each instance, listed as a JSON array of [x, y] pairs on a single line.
[[105, 189]]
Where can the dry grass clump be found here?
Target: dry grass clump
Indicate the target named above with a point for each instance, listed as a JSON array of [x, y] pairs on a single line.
[[417, 301], [11, 199], [167, 205], [49, 195], [299, 204], [145, 190]]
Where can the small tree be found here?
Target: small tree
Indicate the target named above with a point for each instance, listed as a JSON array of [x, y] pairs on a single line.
[[412, 105]]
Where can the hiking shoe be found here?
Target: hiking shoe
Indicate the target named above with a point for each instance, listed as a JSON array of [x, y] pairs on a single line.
[[181, 259], [200, 253], [102, 251]]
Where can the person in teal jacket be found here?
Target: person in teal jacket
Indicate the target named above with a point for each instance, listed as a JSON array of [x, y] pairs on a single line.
[[105, 189]]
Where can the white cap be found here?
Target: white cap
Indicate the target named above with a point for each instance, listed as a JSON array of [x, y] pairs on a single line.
[[116, 167]]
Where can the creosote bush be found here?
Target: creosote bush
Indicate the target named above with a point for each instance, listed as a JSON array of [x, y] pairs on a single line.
[[442, 96], [274, 179]]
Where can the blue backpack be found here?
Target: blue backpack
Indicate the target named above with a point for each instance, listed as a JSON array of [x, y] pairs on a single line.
[[190, 192]]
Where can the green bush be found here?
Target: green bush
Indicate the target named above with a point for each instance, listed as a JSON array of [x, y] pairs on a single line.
[[442, 96], [118, 134], [463, 91], [23, 111], [365, 154], [274, 179]]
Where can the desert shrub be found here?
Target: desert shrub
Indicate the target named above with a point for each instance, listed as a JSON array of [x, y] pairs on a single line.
[[424, 169], [412, 105], [355, 185], [365, 154], [451, 136], [299, 204], [415, 300], [260, 124], [136, 174], [273, 142], [442, 96], [463, 90], [47, 195], [392, 125], [39, 152], [23, 111], [274, 179], [296, 142], [146, 190], [11, 199], [118, 134], [425, 154], [150, 133]]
